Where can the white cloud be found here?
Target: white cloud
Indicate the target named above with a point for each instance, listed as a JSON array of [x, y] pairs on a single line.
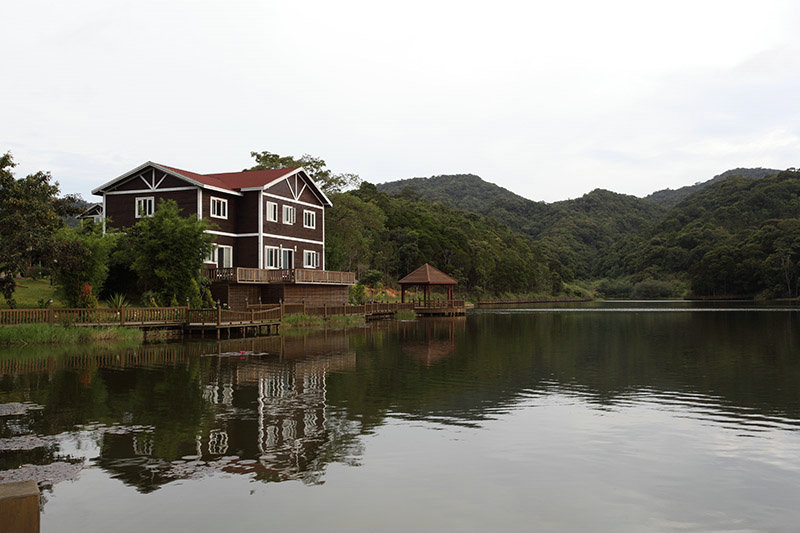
[[550, 99]]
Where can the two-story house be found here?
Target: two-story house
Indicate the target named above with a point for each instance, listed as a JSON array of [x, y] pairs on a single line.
[[268, 227]]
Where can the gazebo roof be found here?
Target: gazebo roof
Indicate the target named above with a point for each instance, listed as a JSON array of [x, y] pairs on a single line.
[[427, 275]]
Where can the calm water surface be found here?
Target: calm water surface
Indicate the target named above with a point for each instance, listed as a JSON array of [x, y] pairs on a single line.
[[612, 416]]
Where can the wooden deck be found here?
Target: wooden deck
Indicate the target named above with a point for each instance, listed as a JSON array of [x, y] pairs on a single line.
[[440, 308], [293, 276], [257, 319]]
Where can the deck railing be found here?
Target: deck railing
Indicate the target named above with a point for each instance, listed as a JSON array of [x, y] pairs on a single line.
[[291, 275], [176, 316], [439, 304], [220, 274]]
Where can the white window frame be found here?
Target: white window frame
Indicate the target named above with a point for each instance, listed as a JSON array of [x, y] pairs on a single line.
[[221, 205], [269, 250], [272, 211], [289, 214], [309, 219], [227, 259], [145, 201], [310, 259]]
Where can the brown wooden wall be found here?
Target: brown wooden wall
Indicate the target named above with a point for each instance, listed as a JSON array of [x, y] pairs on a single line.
[[247, 212], [234, 294], [245, 252], [228, 225], [316, 294], [121, 208]]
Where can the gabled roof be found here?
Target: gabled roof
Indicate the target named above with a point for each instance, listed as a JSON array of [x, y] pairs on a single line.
[[92, 207], [226, 181], [427, 275]]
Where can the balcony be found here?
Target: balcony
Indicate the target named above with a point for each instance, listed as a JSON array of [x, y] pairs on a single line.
[[294, 275]]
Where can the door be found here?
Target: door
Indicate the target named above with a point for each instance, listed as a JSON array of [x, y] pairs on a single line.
[[287, 262]]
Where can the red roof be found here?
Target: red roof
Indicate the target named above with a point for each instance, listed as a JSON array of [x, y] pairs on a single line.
[[235, 180], [427, 275]]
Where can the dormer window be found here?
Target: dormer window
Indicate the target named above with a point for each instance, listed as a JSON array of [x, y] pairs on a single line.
[[145, 207], [219, 208]]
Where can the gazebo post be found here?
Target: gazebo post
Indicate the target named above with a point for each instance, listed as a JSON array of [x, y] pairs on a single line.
[[402, 294]]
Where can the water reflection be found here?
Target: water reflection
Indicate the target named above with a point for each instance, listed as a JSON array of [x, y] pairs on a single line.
[[285, 408]]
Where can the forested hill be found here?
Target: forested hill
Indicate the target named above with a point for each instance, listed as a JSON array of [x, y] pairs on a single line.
[[738, 236], [463, 191], [574, 232], [672, 197]]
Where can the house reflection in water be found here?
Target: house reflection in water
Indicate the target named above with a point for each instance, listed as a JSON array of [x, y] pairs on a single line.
[[260, 407], [177, 411]]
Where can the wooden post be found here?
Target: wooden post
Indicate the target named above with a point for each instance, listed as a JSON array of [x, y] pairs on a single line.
[[219, 315], [19, 507], [324, 310], [122, 316], [50, 313]]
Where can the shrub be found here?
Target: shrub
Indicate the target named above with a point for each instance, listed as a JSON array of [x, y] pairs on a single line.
[[615, 288], [117, 301], [86, 297], [371, 277], [357, 294], [652, 288]]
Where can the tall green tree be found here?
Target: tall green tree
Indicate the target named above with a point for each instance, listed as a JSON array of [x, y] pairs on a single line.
[[315, 167], [30, 214], [81, 256], [166, 251]]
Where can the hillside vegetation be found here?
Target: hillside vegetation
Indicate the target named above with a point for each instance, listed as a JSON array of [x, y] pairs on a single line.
[[737, 234], [372, 230], [672, 197], [575, 233]]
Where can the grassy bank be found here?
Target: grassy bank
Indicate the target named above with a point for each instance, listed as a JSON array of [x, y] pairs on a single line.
[[30, 292], [47, 334], [300, 320]]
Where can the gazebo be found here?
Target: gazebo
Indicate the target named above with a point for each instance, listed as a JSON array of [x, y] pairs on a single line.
[[426, 277]]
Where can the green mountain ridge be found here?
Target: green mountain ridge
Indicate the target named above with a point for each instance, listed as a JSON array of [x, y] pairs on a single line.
[[739, 226], [672, 197], [573, 232]]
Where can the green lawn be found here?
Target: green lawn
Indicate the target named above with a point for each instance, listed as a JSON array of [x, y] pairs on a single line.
[[30, 291]]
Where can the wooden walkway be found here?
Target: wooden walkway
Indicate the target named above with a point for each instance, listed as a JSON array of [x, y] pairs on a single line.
[[441, 308], [256, 320]]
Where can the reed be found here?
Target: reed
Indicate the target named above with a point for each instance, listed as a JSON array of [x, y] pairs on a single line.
[[47, 334]]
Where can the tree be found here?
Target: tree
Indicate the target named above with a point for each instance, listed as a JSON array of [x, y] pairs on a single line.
[[166, 251], [81, 257], [30, 214], [314, 166]]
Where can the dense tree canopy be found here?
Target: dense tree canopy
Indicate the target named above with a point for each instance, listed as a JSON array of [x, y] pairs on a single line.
[[30, 214], [166, 252], [368, 229], [315, 167]]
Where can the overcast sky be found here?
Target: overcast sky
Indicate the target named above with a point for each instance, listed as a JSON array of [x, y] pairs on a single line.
[[548, 99]]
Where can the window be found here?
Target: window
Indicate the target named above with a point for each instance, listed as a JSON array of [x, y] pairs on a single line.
[[221, 256], [272, 212], [310, 259], [272, 257], [287, 259], [309, 219], [288, 214], [219, 208], [144, 207]]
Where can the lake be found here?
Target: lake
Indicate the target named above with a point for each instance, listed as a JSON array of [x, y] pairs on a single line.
[[607, 416]]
